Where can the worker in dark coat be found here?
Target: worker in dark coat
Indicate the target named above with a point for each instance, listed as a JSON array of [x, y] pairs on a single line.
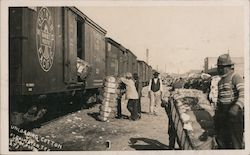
[[229, 116], [155, 93]]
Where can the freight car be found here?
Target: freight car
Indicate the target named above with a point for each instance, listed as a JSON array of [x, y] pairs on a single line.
[[44, 43], [120, 60], [44, 46]]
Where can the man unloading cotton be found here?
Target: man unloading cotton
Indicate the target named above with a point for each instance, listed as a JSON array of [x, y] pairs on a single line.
[[131, 95], [155, 93]]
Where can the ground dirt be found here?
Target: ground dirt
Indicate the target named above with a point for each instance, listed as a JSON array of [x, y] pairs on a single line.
[[81, 130]]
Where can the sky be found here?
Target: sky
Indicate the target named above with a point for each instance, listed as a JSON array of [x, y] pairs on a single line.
[[178, 37]]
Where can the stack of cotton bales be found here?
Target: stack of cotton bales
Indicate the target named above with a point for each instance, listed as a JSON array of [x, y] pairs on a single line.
[[108, 109]]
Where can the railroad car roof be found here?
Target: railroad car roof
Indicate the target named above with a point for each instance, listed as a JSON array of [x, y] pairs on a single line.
[[131, 53], [123, 48], [113, 42], [141, 61]]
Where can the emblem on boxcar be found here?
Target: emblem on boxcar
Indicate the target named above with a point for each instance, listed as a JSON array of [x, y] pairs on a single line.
[[45, 39]]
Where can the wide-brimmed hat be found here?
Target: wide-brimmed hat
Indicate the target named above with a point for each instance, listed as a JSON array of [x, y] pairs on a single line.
[[224, 60], [156, 73]]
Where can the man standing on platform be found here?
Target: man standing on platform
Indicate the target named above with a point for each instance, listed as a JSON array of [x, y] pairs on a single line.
[[155, 93], [229, 114]]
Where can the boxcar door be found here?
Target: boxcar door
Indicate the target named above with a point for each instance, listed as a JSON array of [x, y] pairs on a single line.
[[70, 46]]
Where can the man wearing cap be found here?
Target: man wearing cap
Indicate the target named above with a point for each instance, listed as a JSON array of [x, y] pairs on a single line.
[[155, 93], [229, 122], [131, 95]]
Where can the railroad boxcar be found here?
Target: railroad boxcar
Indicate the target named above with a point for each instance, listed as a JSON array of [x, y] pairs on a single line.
[[119, 60], [44, 43]]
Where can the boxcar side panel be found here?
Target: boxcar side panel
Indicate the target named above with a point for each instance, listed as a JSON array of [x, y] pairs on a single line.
[[70, 46], [140, 70], [111, 59], [15, 52], [150, 72], [129, 61], [123, 60], [95, 55], [42, 52], [146, 72], [120, 62], [143, 71], [132, 68], [134, 65]]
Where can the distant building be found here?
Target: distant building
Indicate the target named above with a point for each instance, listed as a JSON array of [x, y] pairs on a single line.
[[210, 65]]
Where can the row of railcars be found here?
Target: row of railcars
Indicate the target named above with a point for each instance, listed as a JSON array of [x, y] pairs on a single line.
[[120, 60], [44, 45]]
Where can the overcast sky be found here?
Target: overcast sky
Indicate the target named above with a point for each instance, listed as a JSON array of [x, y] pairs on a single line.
[[178, 37]]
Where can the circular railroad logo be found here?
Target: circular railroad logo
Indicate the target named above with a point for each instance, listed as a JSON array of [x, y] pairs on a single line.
[[45, 39]]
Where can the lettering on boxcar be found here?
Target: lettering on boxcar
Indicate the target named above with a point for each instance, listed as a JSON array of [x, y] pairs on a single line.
[[45, 39]]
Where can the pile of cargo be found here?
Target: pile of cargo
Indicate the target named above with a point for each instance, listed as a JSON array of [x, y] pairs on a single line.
[[193, 110], [199, 81], [108, 108]]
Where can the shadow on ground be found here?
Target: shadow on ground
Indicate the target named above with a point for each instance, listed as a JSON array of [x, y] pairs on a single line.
[[95, 115], [144, 112], [148, 144]]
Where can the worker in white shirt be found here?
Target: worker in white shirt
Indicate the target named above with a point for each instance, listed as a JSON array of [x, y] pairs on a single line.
[[155, 93], [131, 95]]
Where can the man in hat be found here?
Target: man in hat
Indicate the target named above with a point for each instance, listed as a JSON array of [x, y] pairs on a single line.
[[229, 124], [131, 95], [155, 93]]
